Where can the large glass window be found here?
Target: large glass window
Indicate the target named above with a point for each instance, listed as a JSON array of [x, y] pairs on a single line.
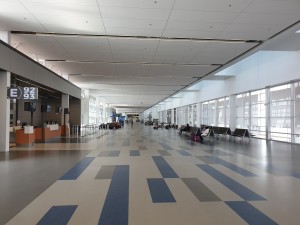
[[223, 112], [186, 114], [204, 113], [297, 113], [209, 113], [169, 112], [93, 109], [190, 115], [258, 113], [195, 122], [242, 107], [280, 113]]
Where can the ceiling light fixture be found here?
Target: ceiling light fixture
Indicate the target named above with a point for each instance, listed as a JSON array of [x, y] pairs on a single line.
[[154, 38], [125, 63], [298, 31]]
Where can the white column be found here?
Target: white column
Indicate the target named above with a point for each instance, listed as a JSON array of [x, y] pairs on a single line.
[[85, 107], [232, 113], [65, 105], [292, 112], [4, 110], [4, 102], [268, 114], [5, 36]]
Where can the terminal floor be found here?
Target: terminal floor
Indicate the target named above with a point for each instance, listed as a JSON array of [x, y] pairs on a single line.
[[140, 176]]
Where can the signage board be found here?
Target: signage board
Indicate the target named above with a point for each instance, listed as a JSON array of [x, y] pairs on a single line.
[[27, 93]]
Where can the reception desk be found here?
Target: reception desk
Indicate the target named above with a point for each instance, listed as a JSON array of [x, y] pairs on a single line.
[[25, 137], [50, 131]]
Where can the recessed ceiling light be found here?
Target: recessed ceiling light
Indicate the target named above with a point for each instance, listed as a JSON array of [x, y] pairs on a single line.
[[298, 31]]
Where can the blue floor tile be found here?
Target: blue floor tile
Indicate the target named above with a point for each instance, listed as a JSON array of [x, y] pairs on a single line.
[[165, 146], [164, 168], [76, 171], [115, 209], [135, 153], [233, 185], [160, 191], [249, 213], [184, 153], [231, 166], [58, 215]]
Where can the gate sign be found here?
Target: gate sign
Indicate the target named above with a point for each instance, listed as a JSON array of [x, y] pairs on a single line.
[[27, 93]]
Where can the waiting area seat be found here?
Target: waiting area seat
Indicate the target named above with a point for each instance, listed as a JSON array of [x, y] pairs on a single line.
[[241, 133], [221, 131]]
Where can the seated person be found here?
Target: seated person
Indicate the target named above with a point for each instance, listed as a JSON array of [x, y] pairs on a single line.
[[204, 132], [186, 128]]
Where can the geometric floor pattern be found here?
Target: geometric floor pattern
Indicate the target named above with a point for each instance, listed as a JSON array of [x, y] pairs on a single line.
[[141, 176]]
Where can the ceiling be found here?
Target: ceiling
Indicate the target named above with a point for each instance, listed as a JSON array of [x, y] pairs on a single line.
[[135, 53]]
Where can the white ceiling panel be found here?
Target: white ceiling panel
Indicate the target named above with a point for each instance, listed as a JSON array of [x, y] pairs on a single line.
[[86, 68], [165, 4], [134, 13], [257, 31], [133, 80], [121, 31], [221, 53], [190, 33], [213, 5], [137, 63], [275, 6], [76, 2], [10, 7], [133, 44], [130, 57], [132, 70], [83, 42], [202, 16], [61, 9], [197, 71], [263, 18], [134, 24], [194, 25]]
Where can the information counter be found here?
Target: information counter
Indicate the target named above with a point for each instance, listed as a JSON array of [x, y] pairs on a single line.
[[25, 137], [51, 131]]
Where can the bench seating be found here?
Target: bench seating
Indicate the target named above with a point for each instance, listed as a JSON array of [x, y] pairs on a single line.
[[221, 131], [191, 131], [241, 133], [209, 135]]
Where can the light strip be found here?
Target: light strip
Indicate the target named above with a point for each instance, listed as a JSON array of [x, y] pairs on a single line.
[[135, 37], [126, 63], [130, 76], [35, 85]]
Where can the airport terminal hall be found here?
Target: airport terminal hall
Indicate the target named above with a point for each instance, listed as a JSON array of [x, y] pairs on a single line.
[[149, 112]]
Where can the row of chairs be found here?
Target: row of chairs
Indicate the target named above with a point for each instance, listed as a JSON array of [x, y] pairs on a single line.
[[225, 131]]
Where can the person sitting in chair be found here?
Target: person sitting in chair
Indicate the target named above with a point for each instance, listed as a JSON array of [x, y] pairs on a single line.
[[186, 128], [205, 132]]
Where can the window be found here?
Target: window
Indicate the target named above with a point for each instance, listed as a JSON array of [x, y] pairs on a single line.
[[280, 113], [297, 113], [195, 122], [209, 113], [223, 112], [258, 113], [242, 107]]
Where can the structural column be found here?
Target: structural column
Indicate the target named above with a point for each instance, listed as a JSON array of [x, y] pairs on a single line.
[[4, 110], [232, 112], [4, 102], [65, 104]]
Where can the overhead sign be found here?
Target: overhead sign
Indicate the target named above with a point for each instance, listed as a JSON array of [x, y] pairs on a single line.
[[27, 93]]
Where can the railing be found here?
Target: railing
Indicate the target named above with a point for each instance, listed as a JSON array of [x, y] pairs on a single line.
[[83, 130]]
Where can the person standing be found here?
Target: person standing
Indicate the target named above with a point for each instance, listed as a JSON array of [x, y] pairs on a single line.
[[131, 122]]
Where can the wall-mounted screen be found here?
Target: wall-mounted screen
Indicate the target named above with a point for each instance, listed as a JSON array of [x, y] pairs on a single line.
[[30, 106]]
